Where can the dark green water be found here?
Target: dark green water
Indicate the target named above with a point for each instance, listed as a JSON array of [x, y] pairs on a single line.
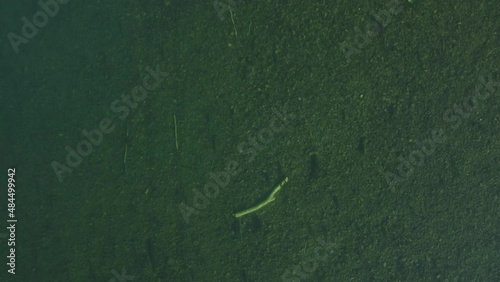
[[137, 128]]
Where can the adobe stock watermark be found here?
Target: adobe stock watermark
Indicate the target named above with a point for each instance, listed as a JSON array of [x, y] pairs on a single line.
[[373, 29], [48, 8], [311, 262], [227, 6], [94, 137], [250, 149], [455, 116], [120, 277]]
